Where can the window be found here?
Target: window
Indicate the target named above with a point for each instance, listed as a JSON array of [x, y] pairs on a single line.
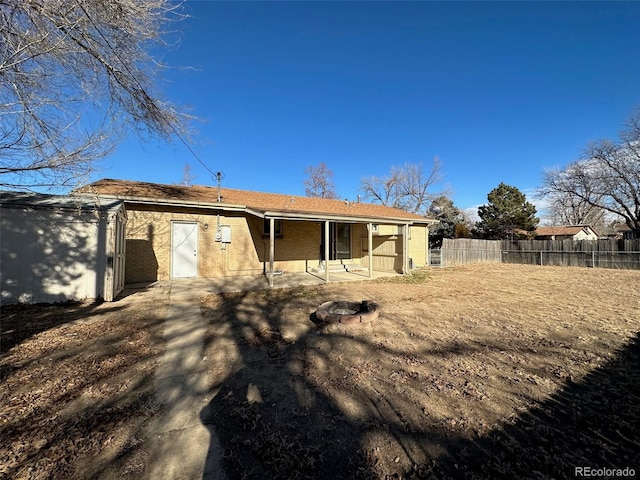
[[277, 225]]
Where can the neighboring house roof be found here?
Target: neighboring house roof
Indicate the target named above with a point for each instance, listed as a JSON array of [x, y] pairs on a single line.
[[566, 230], [33, 200], [258, 203]]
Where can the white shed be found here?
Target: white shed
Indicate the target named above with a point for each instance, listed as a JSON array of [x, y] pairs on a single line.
[[57, 248]]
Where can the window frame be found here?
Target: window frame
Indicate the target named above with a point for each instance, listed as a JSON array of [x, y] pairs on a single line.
[[278, 224]]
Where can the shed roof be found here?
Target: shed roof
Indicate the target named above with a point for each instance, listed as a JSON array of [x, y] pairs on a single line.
[[260, 203], [13, 199]]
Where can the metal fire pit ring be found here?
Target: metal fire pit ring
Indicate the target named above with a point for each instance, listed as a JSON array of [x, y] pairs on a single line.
[[347, 312]]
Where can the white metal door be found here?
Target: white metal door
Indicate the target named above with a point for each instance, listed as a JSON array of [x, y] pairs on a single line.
[[184, 249]]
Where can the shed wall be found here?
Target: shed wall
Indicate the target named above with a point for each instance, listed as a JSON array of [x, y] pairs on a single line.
[[51, 255]]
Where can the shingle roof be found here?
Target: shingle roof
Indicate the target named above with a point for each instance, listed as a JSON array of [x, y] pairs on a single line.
[[257, 201], [562, 230]]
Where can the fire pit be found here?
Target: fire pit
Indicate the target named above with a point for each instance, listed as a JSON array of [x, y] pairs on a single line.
[[347, 312]]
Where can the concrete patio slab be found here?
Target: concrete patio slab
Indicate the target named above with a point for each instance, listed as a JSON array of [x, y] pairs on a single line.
[[204, 286]]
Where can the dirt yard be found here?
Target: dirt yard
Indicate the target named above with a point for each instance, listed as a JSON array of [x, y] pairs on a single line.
[[487, 371], [77, 388], [494, 371]]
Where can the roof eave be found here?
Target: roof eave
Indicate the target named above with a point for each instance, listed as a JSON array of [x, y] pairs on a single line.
[[283, 215], [175, 203]]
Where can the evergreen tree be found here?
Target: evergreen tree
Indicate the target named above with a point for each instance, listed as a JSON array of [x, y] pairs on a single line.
[[452, 221], [507, 215]]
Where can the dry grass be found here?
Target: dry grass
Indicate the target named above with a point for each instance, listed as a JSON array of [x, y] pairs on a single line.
[[472, 371], [486, 371]]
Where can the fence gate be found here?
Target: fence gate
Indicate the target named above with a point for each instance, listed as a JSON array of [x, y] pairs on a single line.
[[435, 257]]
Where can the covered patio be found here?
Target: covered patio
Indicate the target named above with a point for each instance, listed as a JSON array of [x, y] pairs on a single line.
[[330, 245], [246, 283]]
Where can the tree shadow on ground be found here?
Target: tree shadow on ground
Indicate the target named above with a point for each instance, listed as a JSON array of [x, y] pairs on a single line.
[[593, 423], [263, 412], [21, 322], [75, 401], [286, 409]]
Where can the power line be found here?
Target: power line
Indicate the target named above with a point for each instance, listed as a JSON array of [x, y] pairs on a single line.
[[142, 89]]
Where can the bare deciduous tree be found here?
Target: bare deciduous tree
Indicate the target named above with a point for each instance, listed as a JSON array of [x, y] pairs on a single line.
[[187, 176], [607, 176], [565, 209], [73, 75], [319, 182], [407, 187]]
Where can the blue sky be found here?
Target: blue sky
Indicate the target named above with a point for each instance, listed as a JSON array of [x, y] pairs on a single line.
[[498, 91]]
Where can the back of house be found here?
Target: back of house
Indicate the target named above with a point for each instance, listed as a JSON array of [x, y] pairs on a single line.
[[206, 232]]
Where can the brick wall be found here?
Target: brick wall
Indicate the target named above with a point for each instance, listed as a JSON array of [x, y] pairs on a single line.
[[149, 244]]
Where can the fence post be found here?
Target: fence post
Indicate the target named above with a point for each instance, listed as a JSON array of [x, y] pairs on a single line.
[[540, 257], [593, 259]]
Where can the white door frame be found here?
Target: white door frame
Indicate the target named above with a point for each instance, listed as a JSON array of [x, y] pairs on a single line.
[[193, 237], [119, 254]]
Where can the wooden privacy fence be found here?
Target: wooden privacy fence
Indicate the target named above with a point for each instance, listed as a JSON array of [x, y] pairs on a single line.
[[584, 253], [469, 250], [609, 253]]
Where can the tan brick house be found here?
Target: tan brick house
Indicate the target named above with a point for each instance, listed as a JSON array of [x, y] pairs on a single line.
[[178, 231]]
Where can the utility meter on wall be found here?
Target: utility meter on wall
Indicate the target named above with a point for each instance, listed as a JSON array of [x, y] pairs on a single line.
[[225, 233]]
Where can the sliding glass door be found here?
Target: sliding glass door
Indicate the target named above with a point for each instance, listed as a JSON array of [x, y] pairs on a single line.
[[339, 241]]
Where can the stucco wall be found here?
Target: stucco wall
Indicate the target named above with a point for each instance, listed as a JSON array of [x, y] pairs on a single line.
[[582, 235]]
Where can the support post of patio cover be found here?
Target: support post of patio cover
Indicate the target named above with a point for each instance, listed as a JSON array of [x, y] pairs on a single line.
[[370, 247], [405, 249], [272, 239], [326, 251]]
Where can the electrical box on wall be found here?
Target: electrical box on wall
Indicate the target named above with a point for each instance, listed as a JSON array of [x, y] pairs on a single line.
[[225, 233]]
